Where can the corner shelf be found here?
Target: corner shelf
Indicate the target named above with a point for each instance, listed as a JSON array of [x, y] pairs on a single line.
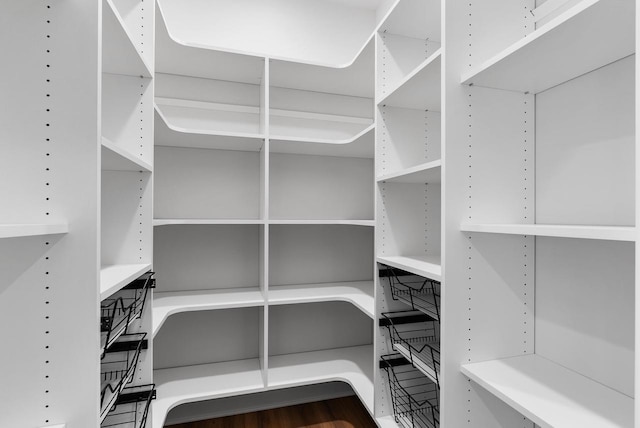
[[114, 277], [429, 172], [187, 221], [120, 55], [33, 229], [353, 365], [181, 385], [166, 304], [169, 135], [359, 293], [420, 89], [360, 145], [590, 35], [426, 266], [368, 223], [609, 233], [199, 117], [115, 158], [551, 395], [290, 125]]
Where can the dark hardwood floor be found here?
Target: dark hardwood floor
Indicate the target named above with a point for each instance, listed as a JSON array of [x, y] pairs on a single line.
[[345, 412]]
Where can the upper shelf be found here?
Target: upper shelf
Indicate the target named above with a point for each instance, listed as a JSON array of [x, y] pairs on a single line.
[[182, 385], [119, 54], [359, 146], [33, 229], [195, 221], [429, 172], [369, 223], [608, 233], [330, 34], [115, 158], [353, 365], [550, 395], [420, 89], [590, 35], [166, 304], [426, 266], [358, 293]]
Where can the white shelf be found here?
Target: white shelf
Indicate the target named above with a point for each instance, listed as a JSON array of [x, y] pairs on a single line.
[[307, 127], [199, 117], [114, 277], [420, 89], [551, 395], [369, 223], [361, 145], [168, 135], [181, 385], [188, 221], [358, 293], [353, 365], [24, 230], [166, 304], [119, 54], [115, 158], [429, 172], [427, 266], [609, 233], [588, 36]]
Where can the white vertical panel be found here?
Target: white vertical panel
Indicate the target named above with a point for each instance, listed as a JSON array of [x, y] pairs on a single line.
[[49, 129], [585, 171]]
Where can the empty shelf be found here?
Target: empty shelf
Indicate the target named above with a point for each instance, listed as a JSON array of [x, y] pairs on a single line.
[[610, 233], [306, 127], [168, 135], [166, 304], [551, 395], [23, 230], [198, 117], [360, 145], [115, 158], [358, 293], [114, 277], [327, 222], [429, 172], [590, 35], [185, 221], [420, 89], [427, 266], [181, 385], [119, 54], [353, 365]]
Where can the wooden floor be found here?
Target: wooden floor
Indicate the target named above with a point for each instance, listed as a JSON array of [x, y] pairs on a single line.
[[345, 412]]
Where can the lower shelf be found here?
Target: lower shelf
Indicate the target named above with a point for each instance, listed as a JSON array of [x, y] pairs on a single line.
[[427, 266], [551, 395], [352, 365], [181, 385], [114, 277], [166, 304], [358, 293]]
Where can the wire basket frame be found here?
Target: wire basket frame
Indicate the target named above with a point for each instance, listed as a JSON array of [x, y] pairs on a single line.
[[417, 337], [132, 408], [420, 293], [118, 312], [415, 398], [118, 368]]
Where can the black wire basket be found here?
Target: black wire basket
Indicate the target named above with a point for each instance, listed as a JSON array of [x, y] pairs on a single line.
[[119, 311], [416, 337], [131, 408], [415, 397], [419, 293]]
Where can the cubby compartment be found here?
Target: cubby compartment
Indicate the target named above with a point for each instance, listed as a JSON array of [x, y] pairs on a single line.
[[127, 125], [304, 187], [206, 184]]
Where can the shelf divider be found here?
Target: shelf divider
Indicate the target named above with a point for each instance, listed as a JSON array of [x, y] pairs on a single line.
[[551, 395]]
